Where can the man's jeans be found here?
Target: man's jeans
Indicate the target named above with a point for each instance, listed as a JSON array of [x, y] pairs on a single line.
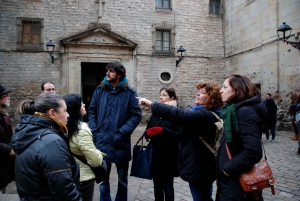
[[201, 192], [122, 170], [272, 128]]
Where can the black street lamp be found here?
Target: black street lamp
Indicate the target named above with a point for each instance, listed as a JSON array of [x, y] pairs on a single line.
[[283, 28], [50, 49], [180, 49]]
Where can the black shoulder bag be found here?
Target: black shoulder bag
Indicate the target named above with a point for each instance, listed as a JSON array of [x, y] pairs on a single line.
[[100, 171]]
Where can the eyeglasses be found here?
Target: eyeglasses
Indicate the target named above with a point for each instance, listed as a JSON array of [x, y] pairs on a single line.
[[5, 95]]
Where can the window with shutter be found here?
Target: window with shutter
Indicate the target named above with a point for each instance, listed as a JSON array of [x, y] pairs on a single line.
[[30, 34]]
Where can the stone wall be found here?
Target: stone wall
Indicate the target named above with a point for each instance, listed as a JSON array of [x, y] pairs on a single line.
[[193, 27], [253, 49]]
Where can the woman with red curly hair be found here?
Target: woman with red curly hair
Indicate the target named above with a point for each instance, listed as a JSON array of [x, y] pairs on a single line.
[[196, 162]]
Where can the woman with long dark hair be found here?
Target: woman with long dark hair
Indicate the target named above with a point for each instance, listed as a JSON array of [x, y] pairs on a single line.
[[81, 143], [243, 115], [45, 168]]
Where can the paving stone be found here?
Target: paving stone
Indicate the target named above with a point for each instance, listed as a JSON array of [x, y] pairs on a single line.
[[283, 162]]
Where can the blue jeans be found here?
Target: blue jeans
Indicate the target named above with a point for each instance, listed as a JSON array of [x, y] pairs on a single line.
[[201, 192], [122, 170], [163, 188], [272, 128]]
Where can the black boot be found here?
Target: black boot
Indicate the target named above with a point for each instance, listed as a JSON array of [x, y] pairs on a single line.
[[298, 152]]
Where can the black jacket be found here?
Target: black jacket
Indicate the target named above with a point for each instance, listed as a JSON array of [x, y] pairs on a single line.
[[247, 151], [7, 163], [45, 167], [196, 162], [272, 111], [165, 148]]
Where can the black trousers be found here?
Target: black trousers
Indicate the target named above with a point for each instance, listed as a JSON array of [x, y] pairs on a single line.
[[87, 190]]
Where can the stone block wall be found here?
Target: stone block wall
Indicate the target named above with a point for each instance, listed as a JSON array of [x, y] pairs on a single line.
[[193, 27], [253, 48]]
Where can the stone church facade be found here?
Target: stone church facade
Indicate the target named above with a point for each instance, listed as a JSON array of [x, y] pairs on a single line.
[[220, 37]]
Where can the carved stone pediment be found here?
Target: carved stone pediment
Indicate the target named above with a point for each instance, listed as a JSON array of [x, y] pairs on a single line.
[[99, 35]]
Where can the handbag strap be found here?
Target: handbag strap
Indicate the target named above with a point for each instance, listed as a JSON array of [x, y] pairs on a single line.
[[141, 138], [81, 159], [217, 127], [229, 154]]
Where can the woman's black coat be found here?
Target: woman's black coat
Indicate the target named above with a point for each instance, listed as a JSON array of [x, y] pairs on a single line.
[[246, 151], [196, 162], [45, 168], [165, 148]]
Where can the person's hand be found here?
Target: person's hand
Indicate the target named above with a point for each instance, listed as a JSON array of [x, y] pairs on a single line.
[[151, 132], [12, 153], [144, 102]]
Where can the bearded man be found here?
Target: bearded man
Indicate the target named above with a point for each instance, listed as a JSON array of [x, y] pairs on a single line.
[[7, 155]]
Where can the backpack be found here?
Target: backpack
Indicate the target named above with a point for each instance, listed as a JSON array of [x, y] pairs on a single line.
[[219, 132]]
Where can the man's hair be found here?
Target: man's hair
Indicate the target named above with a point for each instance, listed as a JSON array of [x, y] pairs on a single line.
[[43, 84], [118, 67], [269, 95]]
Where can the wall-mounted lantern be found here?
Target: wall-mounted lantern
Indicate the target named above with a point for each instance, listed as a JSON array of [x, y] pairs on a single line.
[[50, 49], [283, 28], [180, 49]]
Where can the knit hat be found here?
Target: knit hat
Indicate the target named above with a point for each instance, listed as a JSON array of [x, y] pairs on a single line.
[[3, 90]]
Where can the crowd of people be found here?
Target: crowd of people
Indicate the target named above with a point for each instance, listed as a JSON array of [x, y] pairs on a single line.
[[42, 153]]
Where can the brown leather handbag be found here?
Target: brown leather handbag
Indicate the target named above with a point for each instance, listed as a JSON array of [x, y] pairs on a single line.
[[259, 177]]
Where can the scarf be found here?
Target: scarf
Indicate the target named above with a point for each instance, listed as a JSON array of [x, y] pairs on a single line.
[[215, 110], [61, 126], [118, 85], [6, 120], [196, 107], [3, 111], [231, 125]]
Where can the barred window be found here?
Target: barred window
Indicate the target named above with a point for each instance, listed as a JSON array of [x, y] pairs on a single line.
[[30, 34], [214, 7], [165, 76], [162, 40], [163, 4]]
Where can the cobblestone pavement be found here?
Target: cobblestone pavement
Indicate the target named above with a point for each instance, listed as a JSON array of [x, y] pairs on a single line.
[[281, 156]]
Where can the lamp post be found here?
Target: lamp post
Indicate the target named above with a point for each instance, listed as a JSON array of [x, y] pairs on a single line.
[[180, 49], [283, 28], [50, 49]]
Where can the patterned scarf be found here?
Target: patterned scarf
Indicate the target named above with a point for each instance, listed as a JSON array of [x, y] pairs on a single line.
[[3, 111], [6, 119]]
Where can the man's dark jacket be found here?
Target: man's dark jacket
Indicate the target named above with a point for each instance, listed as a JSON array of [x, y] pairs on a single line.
[[114, 113], [45, 167], [272, 111], [7, 162]]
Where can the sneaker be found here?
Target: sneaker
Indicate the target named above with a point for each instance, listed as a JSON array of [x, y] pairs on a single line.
[[268, 140], [273, 140]]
